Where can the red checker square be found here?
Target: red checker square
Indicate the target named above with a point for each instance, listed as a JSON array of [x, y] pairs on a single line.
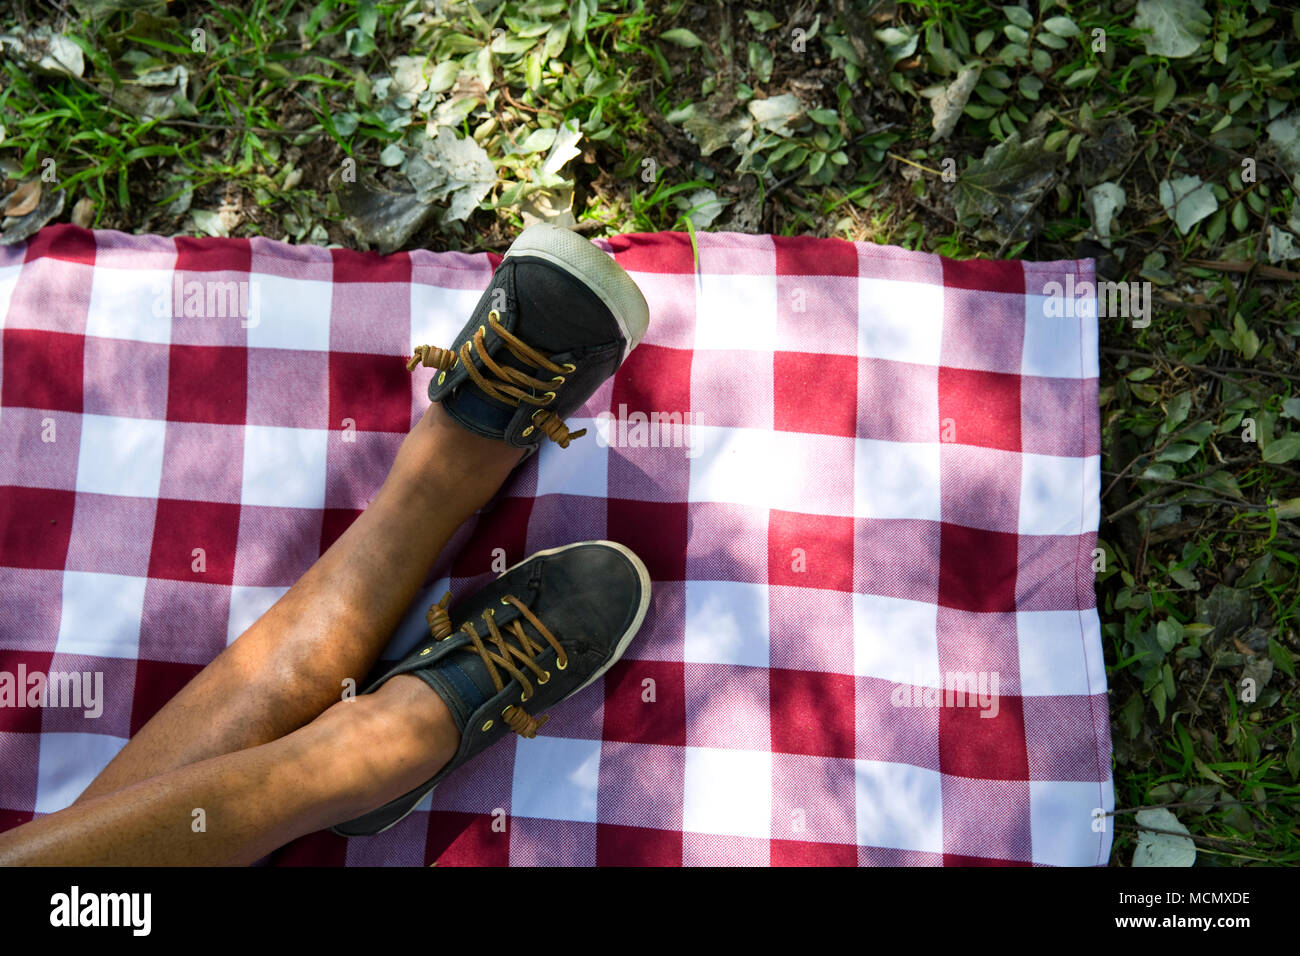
[[792, 853], [203, 462], [807, 256], [896, 557], [288, 388], [16, 818], [979, 487], [1056, 572], [897, 401], [42, 370], [727, 542], [504, 527], [552, 843], [494, 259], [982, 330], [484, 788], [810, 630], [988, 819], [993, 275], [181, 528], [35, 527], [984, 646], [810, 551], [321, 848], [371, 317], [1068, 737], [663, 633], [656, 533], [112, 680], [125, 378], [352, 266], [39, 448], [653, 252], [111, 534], [183, 622], [1060, 416], [334, 521], [979, 408], [63, 241], [812, 713], [157, 682], [653, 379], [276, 545], [641, 785], [977, 569], [645, 703], [727, 707], [207, 383], [819, 313], [205, 254], [731, 388], [355, 470], [652, 474], [372, 390], [986, 748], [895, 725], [637, 846], [465, 839], [956, 859], [816, 393], [36, 599], [813, 800], [17, 715], [580, 717]]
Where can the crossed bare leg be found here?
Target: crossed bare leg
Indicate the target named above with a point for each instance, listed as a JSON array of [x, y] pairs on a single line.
[[260, 739]]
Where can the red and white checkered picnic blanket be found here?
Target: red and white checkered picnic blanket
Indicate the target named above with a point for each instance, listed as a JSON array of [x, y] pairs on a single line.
[[891, 485]]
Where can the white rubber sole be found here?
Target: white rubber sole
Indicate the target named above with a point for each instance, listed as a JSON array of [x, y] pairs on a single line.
[[586, 263]]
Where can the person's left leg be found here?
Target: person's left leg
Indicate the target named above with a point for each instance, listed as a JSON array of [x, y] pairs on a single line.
[[354, 756], [334, 622]]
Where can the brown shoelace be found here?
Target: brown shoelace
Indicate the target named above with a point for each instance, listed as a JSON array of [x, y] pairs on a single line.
[[522, 723], [511, 382]]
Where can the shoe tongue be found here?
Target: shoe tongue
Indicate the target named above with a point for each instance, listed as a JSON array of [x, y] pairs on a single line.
[[462, 681], [474, 404]]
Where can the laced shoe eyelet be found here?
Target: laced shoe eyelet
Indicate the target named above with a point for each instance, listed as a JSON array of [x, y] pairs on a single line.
[[561, 666], [487, 725], [504, 601], [442, 377], [558, 380], [527, 431], [490, 612], [545, 678], [550, 397], [523, 699], [427, 650], [569, 367], [493, 314]]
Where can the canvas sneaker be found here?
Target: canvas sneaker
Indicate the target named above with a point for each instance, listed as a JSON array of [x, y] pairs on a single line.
[[538, 634], [558, 318]]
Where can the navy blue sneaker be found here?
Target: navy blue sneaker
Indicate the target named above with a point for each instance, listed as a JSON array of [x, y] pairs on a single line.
[[535, 636], [558, 318]]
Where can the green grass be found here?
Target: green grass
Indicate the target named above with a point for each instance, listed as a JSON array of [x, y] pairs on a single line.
[[1199, 532]]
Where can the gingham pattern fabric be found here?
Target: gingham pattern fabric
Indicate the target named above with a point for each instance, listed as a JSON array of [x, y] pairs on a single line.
[[891, 477]]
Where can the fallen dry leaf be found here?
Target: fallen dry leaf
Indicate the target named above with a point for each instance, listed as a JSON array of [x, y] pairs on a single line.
[[24, 199]]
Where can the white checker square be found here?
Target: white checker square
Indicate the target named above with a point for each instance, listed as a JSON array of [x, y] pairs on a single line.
[[1060, 346], [1060, 653], [728, 792], [438, 314], [101, 614], [896, 640], [289, 313], [8, 282], [767, 469], [899, 806], [726, 623], [580, 469], [284, 467], [896, 480], [67, 765], [736, 312], [902, 321], [120, 456], [1061, 817], [247, 604], [1059, 495], [556, 778], [131, 304]]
